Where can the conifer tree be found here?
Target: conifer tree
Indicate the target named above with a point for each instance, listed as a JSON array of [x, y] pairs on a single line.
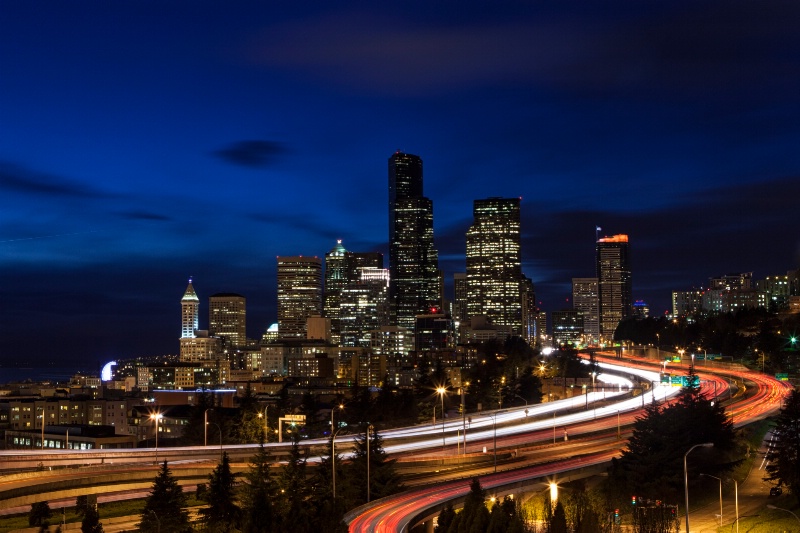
[[783, 459], [293, 510], [39, 515], [258, 492], [91, 521], [222, 513], [383, 477], [164, 509]]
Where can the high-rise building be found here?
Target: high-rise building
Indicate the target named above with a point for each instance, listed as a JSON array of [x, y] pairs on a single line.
[[335, 281], [459, 296], [613, 283], [364, 306], [299, 294], [227, 318], [529, 309], [413, 260], [567, 327], [190, 312], [586, 300], [494, 274]]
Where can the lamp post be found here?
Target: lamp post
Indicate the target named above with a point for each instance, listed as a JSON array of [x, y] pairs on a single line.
[[464, 419], [720, 495], [42, 443], [333, 460], [158, 522], [369, 428], [494, 426], [686, 478], [156, 417], [770, 506], [442, 391], [205, 426], [220, 440], [736, 491], [266, 422]]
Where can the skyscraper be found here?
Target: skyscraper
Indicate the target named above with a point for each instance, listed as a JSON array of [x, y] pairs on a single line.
[[459, 296], [494, 272], [414, 285], [190, 312], [613, 283], [227, 318], [335, 281], [585, 300], [299, 294]]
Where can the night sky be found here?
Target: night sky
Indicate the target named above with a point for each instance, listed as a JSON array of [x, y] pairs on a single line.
[[145, 142]]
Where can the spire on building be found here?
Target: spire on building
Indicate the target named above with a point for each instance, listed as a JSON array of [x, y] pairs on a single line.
[[190, 312]]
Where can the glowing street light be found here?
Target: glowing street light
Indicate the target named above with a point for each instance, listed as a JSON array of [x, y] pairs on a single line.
[[156, 417], [442, 391]]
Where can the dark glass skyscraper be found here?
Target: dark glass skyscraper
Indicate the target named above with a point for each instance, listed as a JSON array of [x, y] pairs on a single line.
[[613, 283], [413, 260]]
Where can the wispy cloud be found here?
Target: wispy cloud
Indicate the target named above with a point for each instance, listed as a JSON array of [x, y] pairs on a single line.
[[252, 154], [14, 178]]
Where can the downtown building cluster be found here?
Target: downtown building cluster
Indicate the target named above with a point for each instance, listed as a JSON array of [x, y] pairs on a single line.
[[351, 318]]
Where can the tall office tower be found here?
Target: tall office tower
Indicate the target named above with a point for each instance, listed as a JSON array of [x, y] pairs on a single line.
[[413, 260], [227, 314], [190, 312], [585, 299], [459, 296], [494, 274], [613, 283], [529, 310], [299, 294], [335, 281], [364, 307]]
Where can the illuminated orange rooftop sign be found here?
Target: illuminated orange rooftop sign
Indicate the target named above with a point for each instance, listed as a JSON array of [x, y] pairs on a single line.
[[615, 238]]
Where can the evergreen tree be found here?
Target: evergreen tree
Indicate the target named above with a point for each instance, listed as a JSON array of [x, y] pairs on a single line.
[[222, 513], [475, 516], [652, 464], [783, 459], [164, 508], [39, 515], [559, 522], [81, 504], [329, 511], [293, 510], [445, 519], [383, 477], [91, 521], [258, 493]]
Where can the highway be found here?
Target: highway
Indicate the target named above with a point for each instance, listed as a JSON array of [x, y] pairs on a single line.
[[398, 513]]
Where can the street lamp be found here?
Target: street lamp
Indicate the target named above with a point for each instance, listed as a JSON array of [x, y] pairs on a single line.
[[333, 461], [220, 440], [156, 417], [686, 478], [369, 428], [494, 425], [769, 506], [266, 423], [720, 495], [205, 426], [42, 408], [442, 391]]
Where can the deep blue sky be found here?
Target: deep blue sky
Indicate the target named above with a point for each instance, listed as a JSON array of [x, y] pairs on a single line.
[[145, 142]]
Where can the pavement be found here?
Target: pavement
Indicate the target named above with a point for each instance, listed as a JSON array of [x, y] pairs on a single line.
[[753, 496]]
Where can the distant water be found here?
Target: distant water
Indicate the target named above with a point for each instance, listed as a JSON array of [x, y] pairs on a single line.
[[14, 374]]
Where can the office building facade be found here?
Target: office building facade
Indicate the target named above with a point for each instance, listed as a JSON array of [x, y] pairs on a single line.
[[613, 283], [494, 274], [413, 260], [299, 294]]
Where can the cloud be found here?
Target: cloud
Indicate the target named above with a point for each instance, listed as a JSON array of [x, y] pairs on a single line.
[[144, 215], [252, 154], [14, 178], [585, 47]]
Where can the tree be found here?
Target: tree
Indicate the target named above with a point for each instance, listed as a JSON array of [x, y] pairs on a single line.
[[329, 511], [258, 492], [39, 515], [91, 521], [558, 524], [446, 517], [383, 477], [293, 509], [164, 508], [222, 513], [248, 424], [651, 466], [783, 461]]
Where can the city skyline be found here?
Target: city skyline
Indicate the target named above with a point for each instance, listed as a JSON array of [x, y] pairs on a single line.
[[146, 144]]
